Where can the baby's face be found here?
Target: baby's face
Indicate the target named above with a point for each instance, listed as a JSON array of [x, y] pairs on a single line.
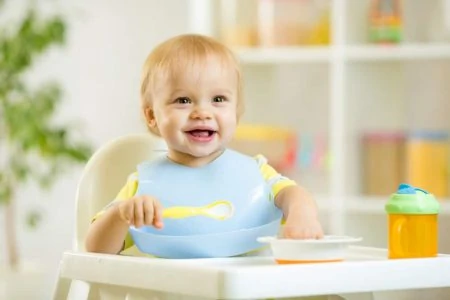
[[196, 111]]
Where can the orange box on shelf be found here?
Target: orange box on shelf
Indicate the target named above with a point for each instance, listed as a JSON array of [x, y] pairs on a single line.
[[383, 162]]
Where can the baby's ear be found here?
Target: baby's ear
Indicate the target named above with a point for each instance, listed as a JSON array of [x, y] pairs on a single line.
[[150, 117], [151, 120]]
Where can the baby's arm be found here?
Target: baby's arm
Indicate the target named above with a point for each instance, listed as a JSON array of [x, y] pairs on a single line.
[[300, 213], [109, 229], [299, 209], [107, 233]]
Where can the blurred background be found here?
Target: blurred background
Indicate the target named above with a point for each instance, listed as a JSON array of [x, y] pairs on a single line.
[[349, 97]]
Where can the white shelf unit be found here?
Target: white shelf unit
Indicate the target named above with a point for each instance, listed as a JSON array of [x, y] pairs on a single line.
[[351, 53], [408, 52], [281, 55], [347, 87]]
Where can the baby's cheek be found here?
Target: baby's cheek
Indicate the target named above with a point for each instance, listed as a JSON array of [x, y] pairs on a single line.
[[230, 125], [228, 135]]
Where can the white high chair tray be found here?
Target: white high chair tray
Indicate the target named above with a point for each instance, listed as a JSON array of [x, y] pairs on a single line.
[[364, 270]]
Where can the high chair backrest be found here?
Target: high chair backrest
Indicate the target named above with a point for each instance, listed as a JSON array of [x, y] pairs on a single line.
[[105, 174]]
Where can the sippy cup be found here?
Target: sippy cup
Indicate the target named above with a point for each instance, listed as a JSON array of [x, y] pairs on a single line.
[[413, 223]]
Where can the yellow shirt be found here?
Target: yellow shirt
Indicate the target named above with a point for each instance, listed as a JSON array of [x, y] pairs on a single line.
[[276, 181]]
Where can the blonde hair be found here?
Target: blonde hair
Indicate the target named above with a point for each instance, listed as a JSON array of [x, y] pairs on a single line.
[[176, 54]]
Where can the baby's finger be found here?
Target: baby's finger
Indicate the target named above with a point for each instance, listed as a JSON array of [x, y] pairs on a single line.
[[291, 232], [310, 234], [157, 211], [148, 211], [319, 234], [138, 212]]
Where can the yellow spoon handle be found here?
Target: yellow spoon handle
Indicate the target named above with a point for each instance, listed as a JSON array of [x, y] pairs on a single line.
[[179, 212]]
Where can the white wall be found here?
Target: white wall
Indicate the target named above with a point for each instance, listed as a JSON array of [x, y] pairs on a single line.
[[100, 69]]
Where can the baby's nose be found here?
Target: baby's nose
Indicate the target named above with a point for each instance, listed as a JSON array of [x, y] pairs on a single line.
[[201, 113]]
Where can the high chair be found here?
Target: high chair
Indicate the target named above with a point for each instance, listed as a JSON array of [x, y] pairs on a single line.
[[104, 175], [91, 276]]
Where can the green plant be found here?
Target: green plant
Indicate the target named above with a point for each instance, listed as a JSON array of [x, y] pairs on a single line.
[[32, 145]]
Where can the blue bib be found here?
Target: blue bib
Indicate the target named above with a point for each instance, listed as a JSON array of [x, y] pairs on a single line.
[[233, 177]]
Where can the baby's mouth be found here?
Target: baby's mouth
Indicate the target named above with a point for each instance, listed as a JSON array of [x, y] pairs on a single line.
[[201, 133]]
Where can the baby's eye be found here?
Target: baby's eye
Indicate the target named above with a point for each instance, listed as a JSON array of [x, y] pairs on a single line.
[[219, 99], [183, 100]]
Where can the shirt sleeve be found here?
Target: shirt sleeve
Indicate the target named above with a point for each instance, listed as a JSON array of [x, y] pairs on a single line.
[[276, 181], [127, 192]]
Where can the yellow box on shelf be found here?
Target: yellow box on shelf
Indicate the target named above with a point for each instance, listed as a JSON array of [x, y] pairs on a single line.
[[263, 132], [428, 161], [277, 144]]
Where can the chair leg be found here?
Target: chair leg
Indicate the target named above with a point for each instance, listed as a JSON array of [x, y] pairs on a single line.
[[82, 290], [62, 288]]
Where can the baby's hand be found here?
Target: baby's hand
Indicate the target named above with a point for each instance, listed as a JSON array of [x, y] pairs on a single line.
[[141, 210], [302, 228]]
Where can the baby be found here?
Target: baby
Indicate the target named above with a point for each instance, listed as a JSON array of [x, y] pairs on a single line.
[[191, 95]]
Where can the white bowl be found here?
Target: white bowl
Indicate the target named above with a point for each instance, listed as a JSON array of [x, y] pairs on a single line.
[[289, 251]]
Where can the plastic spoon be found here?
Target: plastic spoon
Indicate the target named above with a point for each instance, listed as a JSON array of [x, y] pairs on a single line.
[[220, 210]]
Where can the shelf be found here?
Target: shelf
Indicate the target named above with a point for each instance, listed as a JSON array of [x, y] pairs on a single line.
[[370, 205], [261, 55], [397, 52], [311, 54]]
